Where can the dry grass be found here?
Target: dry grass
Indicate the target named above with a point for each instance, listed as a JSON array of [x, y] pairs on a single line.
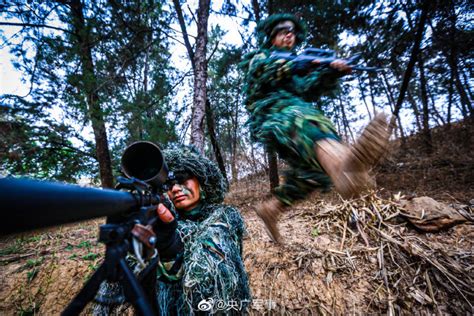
[[340, 257], [359, 256], [42, 271]]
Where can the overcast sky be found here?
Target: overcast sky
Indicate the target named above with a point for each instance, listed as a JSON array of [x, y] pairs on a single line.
[[10, 79]]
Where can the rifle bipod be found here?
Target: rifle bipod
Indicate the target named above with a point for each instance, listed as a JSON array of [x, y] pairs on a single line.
[[115, 269]]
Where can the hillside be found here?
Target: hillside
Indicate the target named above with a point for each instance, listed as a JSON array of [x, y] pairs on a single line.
[[362, 256], [446, 174]]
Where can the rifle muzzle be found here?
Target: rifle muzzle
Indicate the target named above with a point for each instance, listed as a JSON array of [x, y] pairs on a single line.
[[144, 161]]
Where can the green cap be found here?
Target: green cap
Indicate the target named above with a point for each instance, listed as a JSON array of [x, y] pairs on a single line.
[[265, 29]]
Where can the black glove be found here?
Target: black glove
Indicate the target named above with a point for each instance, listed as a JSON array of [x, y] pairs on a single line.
[[168, 242]]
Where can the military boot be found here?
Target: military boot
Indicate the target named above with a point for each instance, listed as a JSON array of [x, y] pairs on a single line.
[[365, 154], [349, 168], [371, 145], [269, 212]]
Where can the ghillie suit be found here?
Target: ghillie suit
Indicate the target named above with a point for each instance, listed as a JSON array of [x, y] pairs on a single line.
[[208, 275]]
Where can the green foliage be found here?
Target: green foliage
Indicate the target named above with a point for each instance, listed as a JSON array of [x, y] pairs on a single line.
[[31, 263], [85, 244], [15, 247], [36, 238], [226, 98], [30, 310], [42, 133], [30, 275], [92, 267], [40, 151], [90, 256]]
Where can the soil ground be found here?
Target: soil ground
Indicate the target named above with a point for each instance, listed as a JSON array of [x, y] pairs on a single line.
[[329, 264]]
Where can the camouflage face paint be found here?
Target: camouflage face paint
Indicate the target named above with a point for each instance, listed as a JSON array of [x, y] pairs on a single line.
[[184, 189], [186, 196]]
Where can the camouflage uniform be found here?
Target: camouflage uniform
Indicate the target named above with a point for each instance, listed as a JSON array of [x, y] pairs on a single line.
[[209, 275], [282, 116]]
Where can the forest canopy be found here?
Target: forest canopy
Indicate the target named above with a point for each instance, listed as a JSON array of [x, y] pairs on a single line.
[[99, 75]]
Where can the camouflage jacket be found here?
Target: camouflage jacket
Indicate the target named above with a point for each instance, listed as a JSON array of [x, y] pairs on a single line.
[[209, 275], [269, 76]]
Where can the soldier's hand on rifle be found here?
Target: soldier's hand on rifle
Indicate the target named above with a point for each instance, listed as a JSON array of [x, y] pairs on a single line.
[[168, 242], [164, 213], [341, 66]]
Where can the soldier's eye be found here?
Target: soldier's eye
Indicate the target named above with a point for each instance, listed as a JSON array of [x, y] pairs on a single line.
[[180, 178], [285, 31]]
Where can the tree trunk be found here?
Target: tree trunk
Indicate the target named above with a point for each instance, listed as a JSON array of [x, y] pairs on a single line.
[[391, 102], [411, 62], [235, 140], [208, 109], [273, 169], [363, 98], [254, 164], [450, 99], [233, 163], [462, 93], [414, 106], [466, 84], [451, 58], [182, 25], [434, 110], [212, 135], [345, 122], [372, 96], [256, 10], [453, 63], [91, 88], [424, 100], [337, 120], [200, 77]]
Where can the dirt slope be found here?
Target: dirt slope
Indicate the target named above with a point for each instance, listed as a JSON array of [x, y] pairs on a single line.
[[357, 257], [381, 263]]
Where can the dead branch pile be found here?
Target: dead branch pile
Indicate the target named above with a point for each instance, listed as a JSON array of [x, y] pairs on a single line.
[[361, 256]]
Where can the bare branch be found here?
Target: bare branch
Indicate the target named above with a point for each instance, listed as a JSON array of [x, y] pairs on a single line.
[[37, 25], [182, 25], [213, 51]]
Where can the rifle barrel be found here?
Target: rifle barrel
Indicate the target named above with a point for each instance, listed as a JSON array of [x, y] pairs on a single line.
[[30, 204]]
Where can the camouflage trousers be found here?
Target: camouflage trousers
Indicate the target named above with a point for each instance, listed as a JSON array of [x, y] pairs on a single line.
[[291, 126]]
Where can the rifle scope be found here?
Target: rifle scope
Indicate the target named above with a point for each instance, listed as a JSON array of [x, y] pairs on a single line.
[[28, 204], [144, 161]]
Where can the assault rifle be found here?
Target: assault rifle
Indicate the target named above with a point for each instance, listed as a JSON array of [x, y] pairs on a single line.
[[325, 57], [130, 210]]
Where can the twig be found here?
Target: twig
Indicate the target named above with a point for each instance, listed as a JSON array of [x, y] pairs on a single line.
[[343, 236], [430, 288], [362, 234], [16, 257]]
